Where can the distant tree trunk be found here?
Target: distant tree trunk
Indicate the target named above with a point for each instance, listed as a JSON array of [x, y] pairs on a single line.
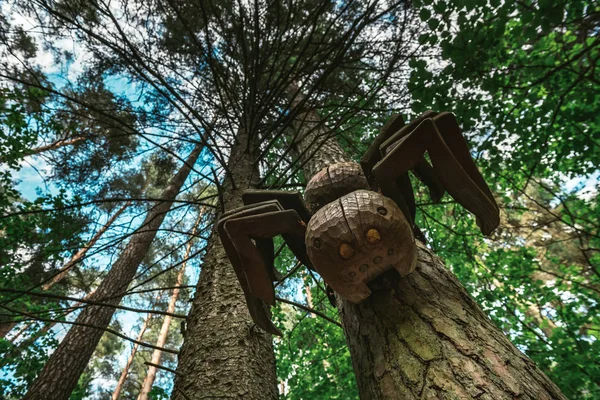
[[134, 349], [224, 355], [60, 374], [309, 299], [164, 330], [426, 338], [24, 345], [56, 145]]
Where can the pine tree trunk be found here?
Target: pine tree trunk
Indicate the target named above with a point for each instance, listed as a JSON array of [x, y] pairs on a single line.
[[224, 356], [125, 372], [426, 338], [60, 374], [56, 145], [164, 329]]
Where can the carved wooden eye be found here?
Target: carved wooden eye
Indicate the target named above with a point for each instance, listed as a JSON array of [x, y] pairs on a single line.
[[373, 236], [346, 251]]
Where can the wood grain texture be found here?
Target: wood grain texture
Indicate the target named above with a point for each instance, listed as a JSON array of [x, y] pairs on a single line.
[[452, 163], [333, 182], [348, 222]]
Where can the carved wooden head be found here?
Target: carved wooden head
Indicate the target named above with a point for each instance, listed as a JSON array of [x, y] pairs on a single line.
[[358, 237], [333, 182]]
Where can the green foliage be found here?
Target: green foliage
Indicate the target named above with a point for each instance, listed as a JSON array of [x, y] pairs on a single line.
[[158, 393], [524, 69], [313, 361], [520, 76], [20, 366], [20, 126], [522, 79]]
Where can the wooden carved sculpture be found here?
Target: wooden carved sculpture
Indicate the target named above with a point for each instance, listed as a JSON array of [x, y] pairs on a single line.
[[358, 220]]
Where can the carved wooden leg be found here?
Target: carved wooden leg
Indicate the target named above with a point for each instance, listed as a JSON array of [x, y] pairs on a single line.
[[257, 308], [373, 154], [463, 185], [392, 131], [266, 225], [265, 246], [289, 201], [448, 127]]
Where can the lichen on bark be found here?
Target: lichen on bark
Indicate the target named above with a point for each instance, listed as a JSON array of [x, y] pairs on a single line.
[[427, 338]]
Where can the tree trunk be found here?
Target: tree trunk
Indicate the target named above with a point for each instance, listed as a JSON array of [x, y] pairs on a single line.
[[56, 145], [61, 372], [425, 338], [134, 349], [6, 327], [224, 356], [164, 329]]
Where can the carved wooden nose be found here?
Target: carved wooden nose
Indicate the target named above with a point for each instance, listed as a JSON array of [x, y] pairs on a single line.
[[358, 242]]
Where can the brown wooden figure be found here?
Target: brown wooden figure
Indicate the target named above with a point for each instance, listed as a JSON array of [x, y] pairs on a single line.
[[356, 238], [358, 224]]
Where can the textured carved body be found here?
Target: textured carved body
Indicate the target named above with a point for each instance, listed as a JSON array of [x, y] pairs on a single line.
[[333, 182], [356, 238]]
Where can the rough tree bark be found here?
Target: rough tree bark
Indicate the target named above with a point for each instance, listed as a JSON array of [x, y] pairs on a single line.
[[60, 374], [164, 329], [134, 349], [425, 338], [223, 356]]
